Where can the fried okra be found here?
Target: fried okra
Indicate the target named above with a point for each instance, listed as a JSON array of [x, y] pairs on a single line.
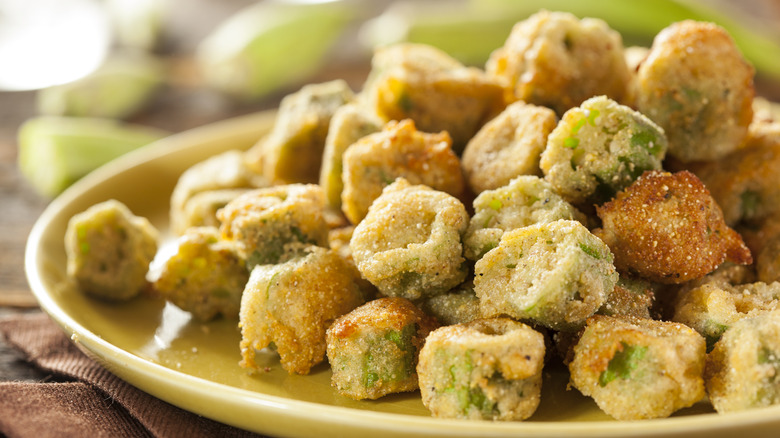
[[487, 369], [639, 368], [742, 370], [409, 244], [292, 304], [556, 274], [399, 150], [350, 123], [526, 200], [744, 183], [422, 83], [275, 222], [768, 261], [109, 249], [227, 170], [508, 146], [763, 239], [373, 349], [631, 297], [457, 306], [201, 209], [667, 228], [713, 306], [598, 149], [292, 151], [556, 60], [205, 276], [696, 84]]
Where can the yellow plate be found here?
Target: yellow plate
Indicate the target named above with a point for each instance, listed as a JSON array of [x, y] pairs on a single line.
[[192, 365]]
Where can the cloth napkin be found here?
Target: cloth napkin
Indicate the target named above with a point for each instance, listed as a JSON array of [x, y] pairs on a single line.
[[83, 399]]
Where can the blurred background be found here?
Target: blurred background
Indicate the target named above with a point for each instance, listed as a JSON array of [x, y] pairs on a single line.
[[155, 67]]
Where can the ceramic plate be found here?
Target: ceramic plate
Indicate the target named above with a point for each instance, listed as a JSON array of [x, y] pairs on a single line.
[[193, 365]]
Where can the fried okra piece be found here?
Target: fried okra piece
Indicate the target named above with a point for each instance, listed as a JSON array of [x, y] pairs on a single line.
[[227, 170], [667, 228], [742, 370], [768, 261], [639, 368], [409, 244], [109, 249], [556, 60], [487, 369], [205, 276], [556, 274], [715, 305], [598, 149], [457, 306], [508, 146], [273, 223], [373, 349], [422, 83], [201, 209], [696, 84], [744, 183], [350, 123], [763, 239], [526, 200], [399, 150], [631, 297], [292, 304], [292, 151]]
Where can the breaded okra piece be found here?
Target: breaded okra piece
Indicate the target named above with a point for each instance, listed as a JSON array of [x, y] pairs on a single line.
[[526, 200], [713, 306], [744, 183], [639, 368], [487, 369], [556, 60], [598, 149], [457, 306], [201, 209], [768, 261], [763, 239], [292, 304], [350, 123], [422, 83], [696, 84], [409, 244], [508, 146], [556, 274], [399, 150], [274, 223], [667, 228], [205, 276], [630, 297], [109, 249], [373, 349], [292, 151], [742, 370], [227, 170]]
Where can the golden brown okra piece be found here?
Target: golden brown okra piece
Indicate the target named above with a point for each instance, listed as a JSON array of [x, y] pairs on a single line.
[[487, 369], [109, 249], [292, 304], [639, 368], [373, 349]]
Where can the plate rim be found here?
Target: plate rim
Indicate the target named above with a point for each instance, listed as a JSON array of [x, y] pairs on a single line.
[[159, 380]]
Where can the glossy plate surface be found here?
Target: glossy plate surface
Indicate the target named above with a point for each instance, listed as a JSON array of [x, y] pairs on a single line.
[[157, 348]]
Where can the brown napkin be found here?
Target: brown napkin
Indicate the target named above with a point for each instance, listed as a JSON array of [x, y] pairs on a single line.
[[87, 400]]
